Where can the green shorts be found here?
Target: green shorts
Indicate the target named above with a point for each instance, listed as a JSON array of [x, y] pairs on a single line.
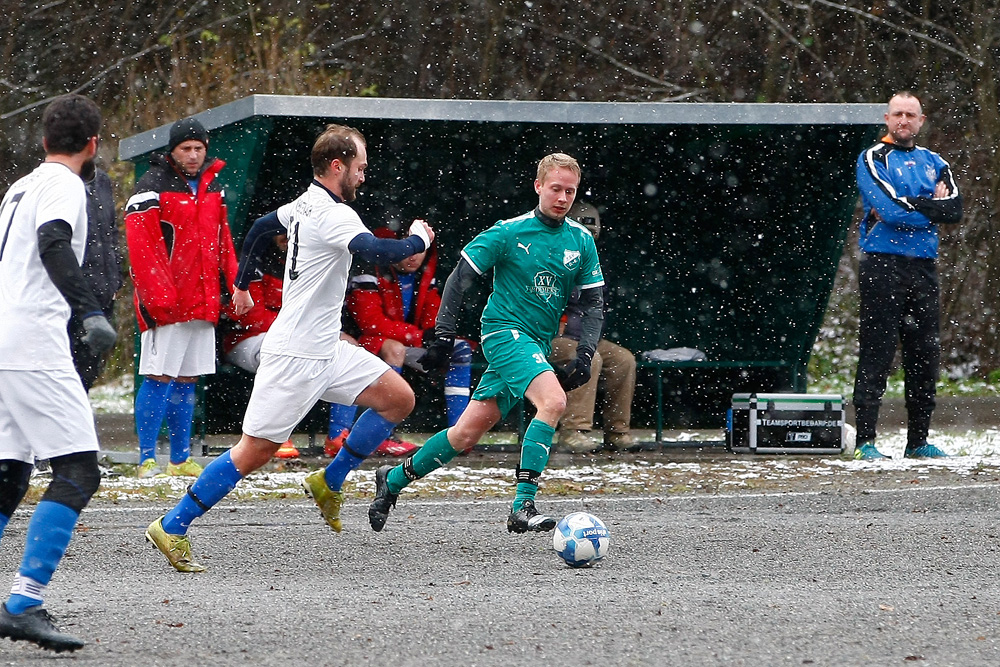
[[515, 359]]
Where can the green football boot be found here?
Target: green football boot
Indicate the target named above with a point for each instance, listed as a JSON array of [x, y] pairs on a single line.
[[177, 548], [328, 500], [189, 468]]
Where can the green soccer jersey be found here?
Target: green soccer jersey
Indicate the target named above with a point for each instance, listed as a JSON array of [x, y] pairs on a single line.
[[535, 268]]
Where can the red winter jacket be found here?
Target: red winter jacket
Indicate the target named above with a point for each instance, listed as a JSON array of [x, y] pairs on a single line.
[[181, 250], [376, 304], [266, 294]]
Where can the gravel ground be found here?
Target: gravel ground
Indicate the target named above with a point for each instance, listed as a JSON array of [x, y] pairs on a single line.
[[872, 564]]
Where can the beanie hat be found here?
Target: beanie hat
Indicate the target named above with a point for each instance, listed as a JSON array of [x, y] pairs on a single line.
[[184, 130]]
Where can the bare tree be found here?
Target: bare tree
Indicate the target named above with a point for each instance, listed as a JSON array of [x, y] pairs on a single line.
[[151, 61]]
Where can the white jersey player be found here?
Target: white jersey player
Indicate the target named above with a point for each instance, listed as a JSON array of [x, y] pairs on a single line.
[[302, 358], [44, 411]]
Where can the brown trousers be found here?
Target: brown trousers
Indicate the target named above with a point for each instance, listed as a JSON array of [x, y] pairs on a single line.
[[616, 367]]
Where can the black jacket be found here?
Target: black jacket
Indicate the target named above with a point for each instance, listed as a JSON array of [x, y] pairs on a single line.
[[102, 262]]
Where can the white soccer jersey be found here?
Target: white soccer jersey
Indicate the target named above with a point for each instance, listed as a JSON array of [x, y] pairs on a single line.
[[33, 313], [317, 269]]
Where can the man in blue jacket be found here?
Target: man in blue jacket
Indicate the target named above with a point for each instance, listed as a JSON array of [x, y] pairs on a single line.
[[906, 192]]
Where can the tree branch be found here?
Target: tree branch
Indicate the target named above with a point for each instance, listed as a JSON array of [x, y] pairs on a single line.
[[600, 54], [898, 28], [118, 63], [790, 37]]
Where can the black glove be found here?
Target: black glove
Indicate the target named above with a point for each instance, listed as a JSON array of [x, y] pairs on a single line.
[[438, 356], [576, 373], [429, 337], [100, 336]]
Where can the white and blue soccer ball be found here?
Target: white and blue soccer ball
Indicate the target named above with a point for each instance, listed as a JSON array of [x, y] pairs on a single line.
[[581, 539]]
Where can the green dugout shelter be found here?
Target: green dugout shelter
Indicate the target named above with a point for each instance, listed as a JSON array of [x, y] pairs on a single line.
[[722, 224]]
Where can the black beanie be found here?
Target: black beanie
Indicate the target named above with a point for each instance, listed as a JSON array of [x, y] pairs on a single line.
[[187, 129]]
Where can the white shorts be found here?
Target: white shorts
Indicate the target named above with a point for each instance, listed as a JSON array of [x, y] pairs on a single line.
[[246, 353], [44, 414], [286, 387], [185, 349]]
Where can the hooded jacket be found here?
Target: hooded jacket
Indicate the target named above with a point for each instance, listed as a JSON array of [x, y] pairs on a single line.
[[181, 250]]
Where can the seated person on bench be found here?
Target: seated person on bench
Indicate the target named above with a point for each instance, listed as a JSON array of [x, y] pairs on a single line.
[[395, 309], [244, 335], [613, 366]]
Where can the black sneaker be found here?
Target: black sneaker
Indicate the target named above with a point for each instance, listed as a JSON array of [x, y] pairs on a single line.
[[528, 518], [35, 625], [378, 511]]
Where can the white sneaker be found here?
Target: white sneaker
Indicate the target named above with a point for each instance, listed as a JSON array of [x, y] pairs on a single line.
[[577, 442]]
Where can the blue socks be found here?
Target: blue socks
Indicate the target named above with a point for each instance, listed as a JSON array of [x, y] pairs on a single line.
[[368, 433], [49, 533], [150, 406], [180, 412], [341, 418], [172, 400], [457, 381], [218, 479]]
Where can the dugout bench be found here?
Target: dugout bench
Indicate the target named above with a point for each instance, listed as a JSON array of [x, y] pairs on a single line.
[[210, 417], [661, 373]]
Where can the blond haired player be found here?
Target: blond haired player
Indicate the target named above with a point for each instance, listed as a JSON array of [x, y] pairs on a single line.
[[537, 259]]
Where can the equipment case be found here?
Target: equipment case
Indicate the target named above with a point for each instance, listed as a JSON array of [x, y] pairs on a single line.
[[786, 424]]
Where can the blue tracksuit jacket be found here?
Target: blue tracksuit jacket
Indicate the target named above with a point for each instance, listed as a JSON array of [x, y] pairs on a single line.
[[897, 189]]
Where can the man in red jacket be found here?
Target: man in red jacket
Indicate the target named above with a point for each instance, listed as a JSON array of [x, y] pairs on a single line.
[[182, 258], [395, 308]]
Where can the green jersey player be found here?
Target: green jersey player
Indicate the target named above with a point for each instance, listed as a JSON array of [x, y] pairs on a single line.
[[537, 260]]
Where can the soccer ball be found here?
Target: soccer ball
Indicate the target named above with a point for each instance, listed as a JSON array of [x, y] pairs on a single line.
[[581, 539]]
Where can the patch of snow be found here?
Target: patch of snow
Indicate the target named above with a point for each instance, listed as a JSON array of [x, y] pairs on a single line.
[[974, 452], [114, 396]]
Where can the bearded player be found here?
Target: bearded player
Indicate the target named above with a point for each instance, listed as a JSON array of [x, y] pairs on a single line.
[[302, 358]]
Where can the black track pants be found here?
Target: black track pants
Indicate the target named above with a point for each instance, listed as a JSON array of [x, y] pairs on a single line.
[[900, 305]]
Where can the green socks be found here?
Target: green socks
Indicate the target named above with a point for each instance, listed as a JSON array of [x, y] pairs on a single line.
[[536, 445], [534, 458], [435, 453]]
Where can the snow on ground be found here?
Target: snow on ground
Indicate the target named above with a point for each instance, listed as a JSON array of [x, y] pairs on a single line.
[[975, 456], [975, 460], [113, 397]]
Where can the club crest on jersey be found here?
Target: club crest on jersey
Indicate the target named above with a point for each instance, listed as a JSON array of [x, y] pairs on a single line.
[[571, 259], [546, 285], [931, 172]]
